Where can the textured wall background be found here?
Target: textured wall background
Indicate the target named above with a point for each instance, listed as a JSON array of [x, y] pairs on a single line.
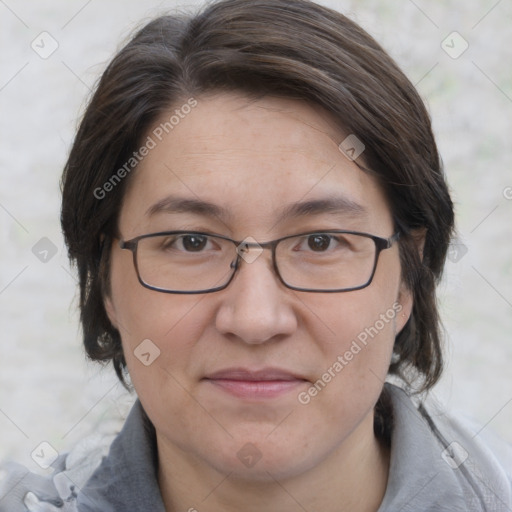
[[47, 390]]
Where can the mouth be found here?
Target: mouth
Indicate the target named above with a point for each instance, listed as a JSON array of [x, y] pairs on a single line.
[[255, 384]]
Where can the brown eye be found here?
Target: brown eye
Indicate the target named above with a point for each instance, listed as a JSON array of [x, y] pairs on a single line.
[[194, 243], [319, 243]]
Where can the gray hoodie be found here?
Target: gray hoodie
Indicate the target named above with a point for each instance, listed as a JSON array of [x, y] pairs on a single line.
[[436, 465]]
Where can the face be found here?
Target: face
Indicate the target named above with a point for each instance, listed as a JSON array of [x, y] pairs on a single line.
[[257, 370]]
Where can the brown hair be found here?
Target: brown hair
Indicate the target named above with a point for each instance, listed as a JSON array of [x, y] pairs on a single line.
[[291, 48]]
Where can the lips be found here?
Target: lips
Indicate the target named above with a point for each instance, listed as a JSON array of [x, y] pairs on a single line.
[[265, 374], [255, 384]]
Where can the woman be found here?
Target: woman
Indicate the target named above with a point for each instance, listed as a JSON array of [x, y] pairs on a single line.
[[257, 210]]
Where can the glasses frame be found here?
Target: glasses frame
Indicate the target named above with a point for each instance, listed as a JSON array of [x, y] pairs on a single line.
[[381, 244]]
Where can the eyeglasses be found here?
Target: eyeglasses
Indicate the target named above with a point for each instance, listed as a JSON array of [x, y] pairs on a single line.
[[196, 262]]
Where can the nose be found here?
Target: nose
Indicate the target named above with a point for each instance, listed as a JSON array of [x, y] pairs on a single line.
[[256, 307]]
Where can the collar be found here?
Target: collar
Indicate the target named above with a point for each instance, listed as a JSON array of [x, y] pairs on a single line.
[[127, 478], [437, 465]]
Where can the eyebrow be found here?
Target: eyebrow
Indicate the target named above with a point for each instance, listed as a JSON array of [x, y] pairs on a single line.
[[173, 204], [332, 205]]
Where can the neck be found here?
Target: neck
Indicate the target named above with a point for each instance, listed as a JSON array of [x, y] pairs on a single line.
[[352, 477]]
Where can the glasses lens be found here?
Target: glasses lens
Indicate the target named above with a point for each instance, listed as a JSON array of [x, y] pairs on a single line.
[[185, 262], [326, 261]]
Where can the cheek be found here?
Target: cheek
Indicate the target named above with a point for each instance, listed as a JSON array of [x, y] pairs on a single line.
[[355, 334], [362, 315], [154, 326]]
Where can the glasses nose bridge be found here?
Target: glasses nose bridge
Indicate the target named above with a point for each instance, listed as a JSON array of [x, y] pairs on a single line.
[[250, 251]]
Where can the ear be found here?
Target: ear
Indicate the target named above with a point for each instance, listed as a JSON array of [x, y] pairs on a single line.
[[405, 295], [419, 236], [111, 310], [108, 303], [404, 307]]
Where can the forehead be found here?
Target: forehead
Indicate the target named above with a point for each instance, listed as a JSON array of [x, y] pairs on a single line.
[[255, 160]]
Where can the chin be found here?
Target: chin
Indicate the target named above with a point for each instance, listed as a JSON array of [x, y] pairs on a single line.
[[256, 458]]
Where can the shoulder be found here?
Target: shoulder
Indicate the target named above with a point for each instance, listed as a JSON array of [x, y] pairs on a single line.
[[474, 449], [439, 462], [102, 473], [22, 490]]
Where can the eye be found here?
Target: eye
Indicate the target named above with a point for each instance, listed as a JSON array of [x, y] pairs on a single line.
[[319, 242], [193, 242]]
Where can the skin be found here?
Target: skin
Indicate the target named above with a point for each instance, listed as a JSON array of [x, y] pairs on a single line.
[[252, 158]]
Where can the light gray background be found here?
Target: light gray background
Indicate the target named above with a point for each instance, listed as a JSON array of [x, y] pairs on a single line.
[[47, 390]]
